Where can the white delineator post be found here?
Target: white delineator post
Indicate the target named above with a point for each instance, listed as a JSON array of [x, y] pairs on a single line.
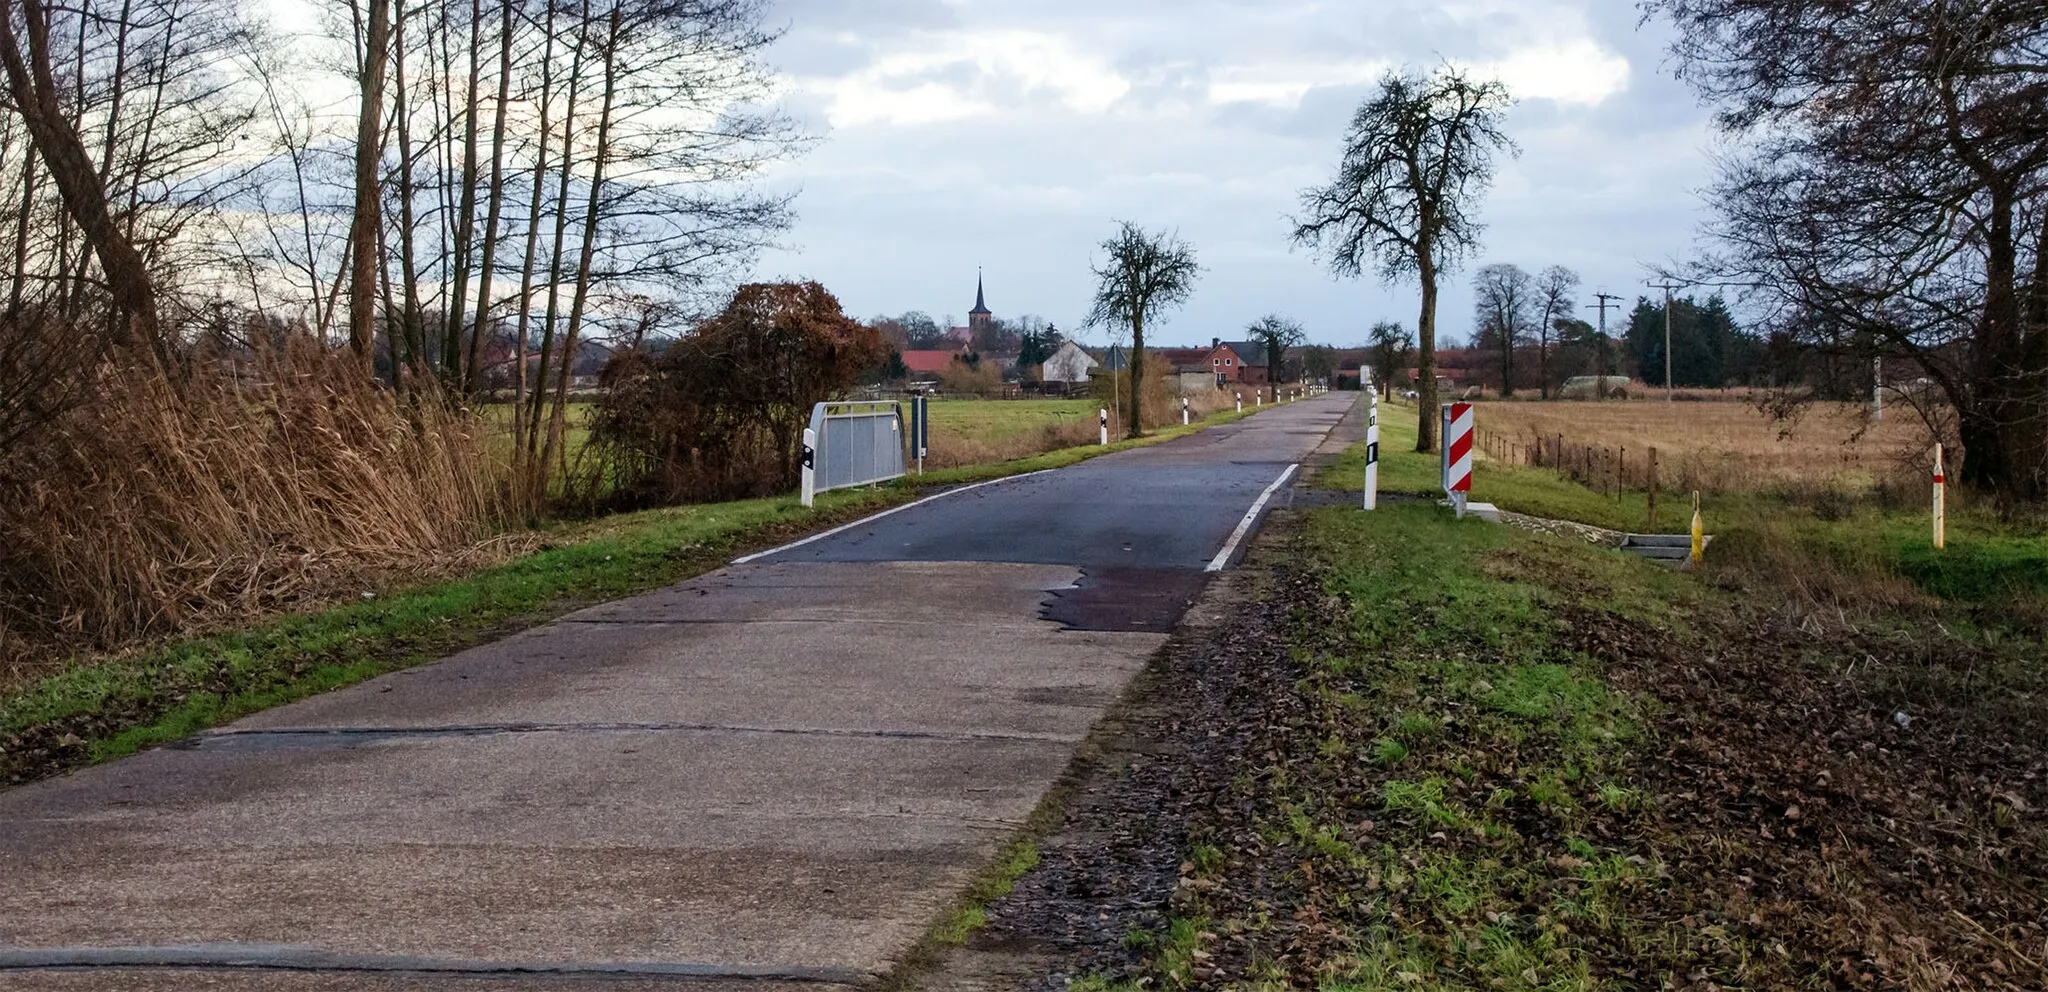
[[1183, 411], [1457, 457], [810, 485], [1940, 501], [1240, 402], [1372, 453], [1105, 425]]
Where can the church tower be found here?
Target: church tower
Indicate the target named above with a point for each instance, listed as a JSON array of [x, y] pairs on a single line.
[[980, 318]]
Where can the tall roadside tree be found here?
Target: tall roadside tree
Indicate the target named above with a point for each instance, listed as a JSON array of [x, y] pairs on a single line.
[[1417, 160], [35, 96], [1503, 297], [1143, 276], [1555, 287], [1275, 334], [372, 51], [1890, 190]]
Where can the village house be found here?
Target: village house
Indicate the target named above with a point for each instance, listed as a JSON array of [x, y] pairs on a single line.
[[1069, 364], [1239, 362]]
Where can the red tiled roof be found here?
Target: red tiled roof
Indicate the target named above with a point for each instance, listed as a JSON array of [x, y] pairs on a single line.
[[928, 361]]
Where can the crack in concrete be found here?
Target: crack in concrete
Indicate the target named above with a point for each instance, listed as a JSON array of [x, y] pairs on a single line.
[[274, 736], [753, 621], [284, 957]]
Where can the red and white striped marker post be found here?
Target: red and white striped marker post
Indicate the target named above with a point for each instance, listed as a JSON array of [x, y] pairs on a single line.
[[1940, 501], [1457, 458]]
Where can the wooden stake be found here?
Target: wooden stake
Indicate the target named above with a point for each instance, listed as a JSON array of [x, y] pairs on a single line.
[[1652, 526]]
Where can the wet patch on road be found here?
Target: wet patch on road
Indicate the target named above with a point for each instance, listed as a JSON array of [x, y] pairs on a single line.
[[1122, 597]]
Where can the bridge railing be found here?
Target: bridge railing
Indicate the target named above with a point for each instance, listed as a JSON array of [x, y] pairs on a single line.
[[852, 444]]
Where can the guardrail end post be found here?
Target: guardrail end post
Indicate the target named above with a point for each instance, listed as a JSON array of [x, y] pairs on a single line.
[[810, 482]]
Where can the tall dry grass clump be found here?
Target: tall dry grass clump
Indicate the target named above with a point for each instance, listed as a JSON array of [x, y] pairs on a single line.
[[171, 502], [1159, 405]]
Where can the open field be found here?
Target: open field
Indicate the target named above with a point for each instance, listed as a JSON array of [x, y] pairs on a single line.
[[1822, 539], [1724, 446]]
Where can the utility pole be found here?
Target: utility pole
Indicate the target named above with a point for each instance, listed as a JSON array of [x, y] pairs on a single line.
[[1600, 382], [1670, 391]]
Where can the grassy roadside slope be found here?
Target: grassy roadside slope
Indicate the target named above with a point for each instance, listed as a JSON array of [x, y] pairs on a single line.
[[1499, 760], [101, 708], [1839, 551]]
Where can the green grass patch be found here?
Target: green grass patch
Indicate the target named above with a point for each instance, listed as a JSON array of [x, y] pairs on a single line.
[[999, 420]]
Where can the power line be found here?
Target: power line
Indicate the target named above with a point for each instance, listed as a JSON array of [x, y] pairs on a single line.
[[1600, 389]]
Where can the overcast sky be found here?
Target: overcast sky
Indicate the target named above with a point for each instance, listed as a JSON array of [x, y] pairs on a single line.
[[1011, 135]]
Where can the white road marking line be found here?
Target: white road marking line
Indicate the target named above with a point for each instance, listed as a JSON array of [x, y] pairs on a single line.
[[871, 518], [1245, 526]]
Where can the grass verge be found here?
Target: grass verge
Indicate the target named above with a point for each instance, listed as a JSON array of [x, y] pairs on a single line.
[[102, 708], [1501, 760]]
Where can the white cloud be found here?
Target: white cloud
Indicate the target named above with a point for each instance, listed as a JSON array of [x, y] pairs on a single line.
[[1578, 71], [932, 77]]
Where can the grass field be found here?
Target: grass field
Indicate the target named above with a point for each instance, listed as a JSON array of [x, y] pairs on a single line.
[[972, 432], [1725, 446]]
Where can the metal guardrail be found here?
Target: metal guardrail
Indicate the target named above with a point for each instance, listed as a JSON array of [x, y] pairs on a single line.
[[852, 444]]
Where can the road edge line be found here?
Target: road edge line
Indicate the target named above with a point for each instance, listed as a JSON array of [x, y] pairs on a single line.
[[1251, 516], [872, 517]]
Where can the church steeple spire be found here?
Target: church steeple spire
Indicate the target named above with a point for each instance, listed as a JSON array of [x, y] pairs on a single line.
[[980, 318]]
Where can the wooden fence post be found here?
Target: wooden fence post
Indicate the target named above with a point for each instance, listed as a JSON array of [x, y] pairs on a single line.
[[1653, 491]]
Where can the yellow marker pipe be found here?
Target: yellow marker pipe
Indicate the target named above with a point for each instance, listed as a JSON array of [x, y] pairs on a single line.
[[1699, 532]]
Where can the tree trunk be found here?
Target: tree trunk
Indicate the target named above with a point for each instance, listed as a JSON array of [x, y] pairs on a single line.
[[557, 420], [362, 236], [461, 372], [1425, 358], [412, 320], [497, 204], [561, 208], [34, 94], [521, 468], [1137, 364]]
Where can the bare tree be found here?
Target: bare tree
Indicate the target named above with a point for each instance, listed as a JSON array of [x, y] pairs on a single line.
[[1503, 296], [1417, 160], [35, 97], [1890, 194], [1554, 288], [1144, 275], [1275, 334]]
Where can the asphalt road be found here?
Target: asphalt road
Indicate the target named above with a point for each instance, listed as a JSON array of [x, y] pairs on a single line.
[[773, 776]]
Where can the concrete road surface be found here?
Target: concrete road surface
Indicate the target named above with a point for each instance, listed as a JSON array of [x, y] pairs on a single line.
[[775, 776]]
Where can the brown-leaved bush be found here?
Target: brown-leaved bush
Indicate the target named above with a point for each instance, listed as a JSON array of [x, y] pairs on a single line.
[[720, 413]]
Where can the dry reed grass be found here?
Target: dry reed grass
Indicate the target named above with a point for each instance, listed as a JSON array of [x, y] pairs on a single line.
[[252, 487], [1722, 447]]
